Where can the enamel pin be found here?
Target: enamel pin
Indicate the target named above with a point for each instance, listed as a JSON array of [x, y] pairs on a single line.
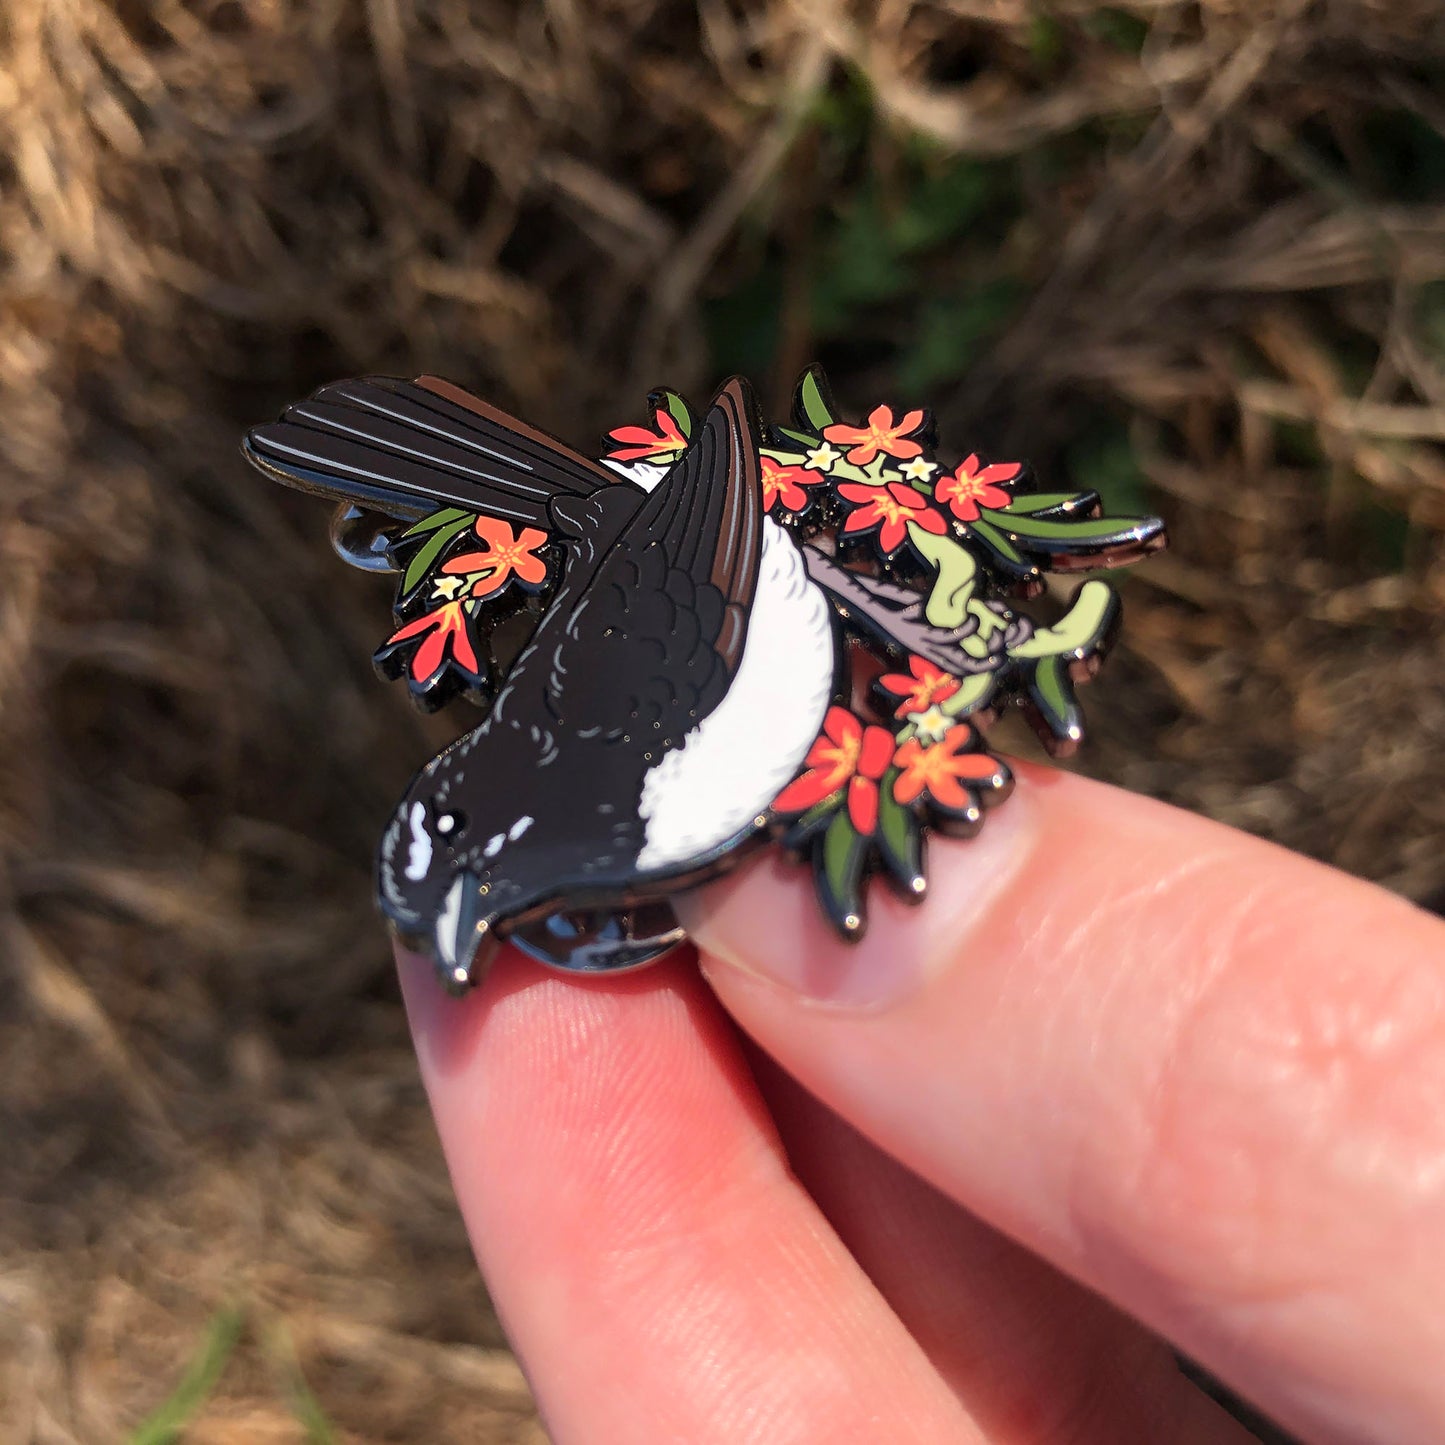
[[663, 641]]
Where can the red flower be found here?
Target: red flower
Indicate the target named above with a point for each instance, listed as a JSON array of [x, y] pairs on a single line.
[[785, 484], [882, 434], [443, 631], [945, 771], [920, 687], [636, 443], [973, 486], [506, 554], [847, 753], [890, 509]]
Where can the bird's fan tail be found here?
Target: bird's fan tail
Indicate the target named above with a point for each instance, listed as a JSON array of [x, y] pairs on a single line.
[[405, 448]]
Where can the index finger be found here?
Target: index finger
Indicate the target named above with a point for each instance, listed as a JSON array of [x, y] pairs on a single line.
[[1199, 1073], [659, 1269]]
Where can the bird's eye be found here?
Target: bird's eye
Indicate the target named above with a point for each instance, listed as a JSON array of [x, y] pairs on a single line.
[[451, 823]]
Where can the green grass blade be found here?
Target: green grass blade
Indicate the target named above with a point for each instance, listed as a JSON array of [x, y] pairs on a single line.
[[202, 1375], [305, 1407], [288, 1373], [310, 1416]]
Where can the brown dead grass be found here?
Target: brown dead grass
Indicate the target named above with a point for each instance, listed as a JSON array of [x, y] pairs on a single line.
[[206, 1095]]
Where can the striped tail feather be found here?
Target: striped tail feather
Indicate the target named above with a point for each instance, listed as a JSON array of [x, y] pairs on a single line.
[[405, 448]]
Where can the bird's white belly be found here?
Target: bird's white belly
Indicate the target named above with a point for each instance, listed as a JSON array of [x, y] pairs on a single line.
[[732, 765]]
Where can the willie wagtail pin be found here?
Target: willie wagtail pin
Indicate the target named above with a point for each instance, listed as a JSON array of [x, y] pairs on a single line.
[[663, 642]]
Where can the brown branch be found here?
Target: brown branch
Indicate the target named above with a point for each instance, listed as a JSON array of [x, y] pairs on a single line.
[[893, 615]]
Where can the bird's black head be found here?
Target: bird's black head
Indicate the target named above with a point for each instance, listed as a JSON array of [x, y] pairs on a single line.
[[486, 839], [462, 858]]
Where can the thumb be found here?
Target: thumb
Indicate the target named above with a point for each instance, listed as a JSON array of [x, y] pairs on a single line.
[[1197, 1072]]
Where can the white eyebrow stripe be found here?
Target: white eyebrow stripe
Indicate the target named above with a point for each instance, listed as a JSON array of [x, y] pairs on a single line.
[[418, 857], [520, 827]]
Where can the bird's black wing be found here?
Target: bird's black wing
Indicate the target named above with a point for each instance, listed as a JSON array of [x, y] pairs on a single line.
[[652, 645], [405, 448]]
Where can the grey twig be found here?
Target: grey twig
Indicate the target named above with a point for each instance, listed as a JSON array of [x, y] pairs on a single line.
[[894, 615]]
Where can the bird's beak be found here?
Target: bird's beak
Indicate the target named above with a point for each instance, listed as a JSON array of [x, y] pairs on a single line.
[[465, 941]]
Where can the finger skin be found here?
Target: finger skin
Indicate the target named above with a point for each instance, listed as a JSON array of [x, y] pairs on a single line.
[[1204, 1076], [1037, 1358], [660, 1272]]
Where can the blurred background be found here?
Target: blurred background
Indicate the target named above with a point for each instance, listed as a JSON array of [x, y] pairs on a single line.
[[1189, 254]]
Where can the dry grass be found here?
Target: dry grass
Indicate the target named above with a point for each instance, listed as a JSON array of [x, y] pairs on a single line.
[[1194, 252]]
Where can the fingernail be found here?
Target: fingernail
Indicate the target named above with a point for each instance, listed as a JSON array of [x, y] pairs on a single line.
[[766, 922]]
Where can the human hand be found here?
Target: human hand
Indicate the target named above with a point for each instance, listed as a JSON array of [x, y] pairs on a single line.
[[1144, 1063]]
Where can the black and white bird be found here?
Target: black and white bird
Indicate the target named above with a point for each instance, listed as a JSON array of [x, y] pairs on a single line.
[[673, 685]]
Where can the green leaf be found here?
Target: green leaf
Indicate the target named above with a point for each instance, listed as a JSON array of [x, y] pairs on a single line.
[[841, 856], [1046, 660], [997, 543], [678, 409], [1097, 531], [1052, 697], [801, 829], [433, 520], [1031, 506], [957, 571], [166, 1425], [1049, 680], [899, 837], [806, 440], [431, 549], [811, 404]]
